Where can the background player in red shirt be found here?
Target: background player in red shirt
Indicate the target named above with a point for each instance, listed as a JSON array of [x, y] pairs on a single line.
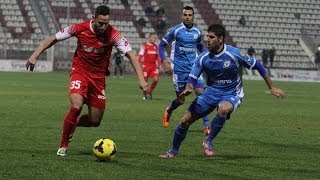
[[149, 58], [89, 68]]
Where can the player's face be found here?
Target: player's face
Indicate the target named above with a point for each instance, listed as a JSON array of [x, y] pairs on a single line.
[[100, 24], [187, 17], [152, 38], [214, 43]]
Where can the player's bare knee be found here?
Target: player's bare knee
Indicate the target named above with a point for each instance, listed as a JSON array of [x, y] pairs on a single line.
[[225, 108], [185, 123], [186, 120]]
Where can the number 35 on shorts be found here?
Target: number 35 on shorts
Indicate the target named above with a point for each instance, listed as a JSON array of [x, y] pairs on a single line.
[[75, 84]]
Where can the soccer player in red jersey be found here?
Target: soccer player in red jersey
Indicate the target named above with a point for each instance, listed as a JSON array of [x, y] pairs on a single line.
[[150, 60], [89, 68]]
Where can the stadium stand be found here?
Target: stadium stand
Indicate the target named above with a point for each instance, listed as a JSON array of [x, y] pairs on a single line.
[[291, 26], [17, 25], [152, 18], [271, 23]]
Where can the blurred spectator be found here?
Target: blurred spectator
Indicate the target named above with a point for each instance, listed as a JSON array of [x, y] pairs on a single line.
[[242, 20], [142, 22], [125, 2], [251, 51], [160, 11], [161, 25], [264, 57], [272, 53], [149, 11], [317, 60], [118, 59]]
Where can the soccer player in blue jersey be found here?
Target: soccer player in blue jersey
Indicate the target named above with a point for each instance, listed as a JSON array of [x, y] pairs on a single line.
[[224, 92], [186, 41]]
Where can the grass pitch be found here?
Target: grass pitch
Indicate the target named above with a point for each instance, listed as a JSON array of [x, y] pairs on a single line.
[[266, 138]]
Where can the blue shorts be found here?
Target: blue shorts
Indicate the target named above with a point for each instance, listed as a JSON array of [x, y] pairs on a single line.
[[204, 104], [180, 81]]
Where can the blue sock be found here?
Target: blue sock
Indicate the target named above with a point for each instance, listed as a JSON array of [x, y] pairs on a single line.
[[174, 105], [205, 121], [216, 126], [180, 134]]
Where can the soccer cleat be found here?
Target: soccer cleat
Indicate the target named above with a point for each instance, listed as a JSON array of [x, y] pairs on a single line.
[[207, 148], [145, 96], [166, 118], [62, 151], [206, 131], [167, 155], [149, 96]]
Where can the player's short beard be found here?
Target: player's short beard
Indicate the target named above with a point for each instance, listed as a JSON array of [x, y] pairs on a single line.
[[101, 32], [214, 48], [97, 30]]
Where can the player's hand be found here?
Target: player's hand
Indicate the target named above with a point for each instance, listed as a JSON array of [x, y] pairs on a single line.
[[30, 65], [144, 86], [187, 91], [167, 67], [277, 92]]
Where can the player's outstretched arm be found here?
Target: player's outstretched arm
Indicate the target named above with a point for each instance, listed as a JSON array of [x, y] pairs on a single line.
[[279, 93], [263, 72], [47, 43], [136, 65]]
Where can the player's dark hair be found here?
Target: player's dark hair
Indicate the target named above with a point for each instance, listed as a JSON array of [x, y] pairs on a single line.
[[101, 10], [218, 30], [188, 8]]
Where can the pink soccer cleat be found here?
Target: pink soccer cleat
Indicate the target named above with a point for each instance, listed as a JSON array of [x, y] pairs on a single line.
[[207, 149], [167, 155]]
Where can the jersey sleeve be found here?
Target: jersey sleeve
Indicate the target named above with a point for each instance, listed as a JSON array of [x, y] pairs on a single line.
[[200, 47], [142, 48], [199, 40], [66, 33], [244, 59], [169, 36], [197, 67], [121, 43]]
